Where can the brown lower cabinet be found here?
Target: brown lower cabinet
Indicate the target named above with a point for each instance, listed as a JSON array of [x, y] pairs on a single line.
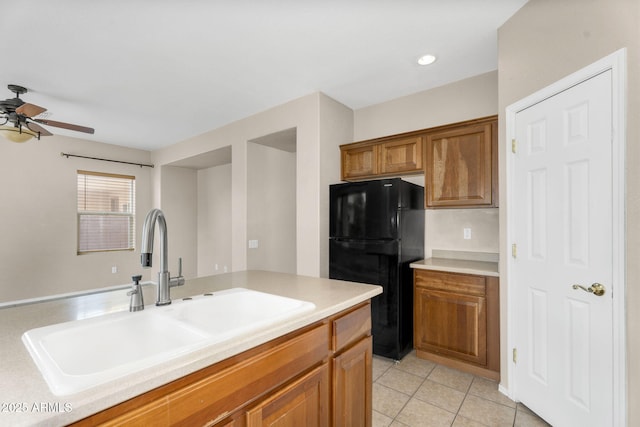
[[319, 375], [302, 403], [456, 321]]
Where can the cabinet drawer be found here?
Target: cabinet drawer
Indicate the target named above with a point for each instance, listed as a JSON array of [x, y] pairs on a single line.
[[351, 327], [451, 282], [154, 413]]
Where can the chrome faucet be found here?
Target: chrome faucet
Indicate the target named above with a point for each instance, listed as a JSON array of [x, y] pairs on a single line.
[[165, 281]]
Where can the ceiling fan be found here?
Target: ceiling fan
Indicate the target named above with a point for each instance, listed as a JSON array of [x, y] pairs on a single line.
[[21, 122]]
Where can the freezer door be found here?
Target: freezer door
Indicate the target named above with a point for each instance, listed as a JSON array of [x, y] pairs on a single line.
[[364, 210]]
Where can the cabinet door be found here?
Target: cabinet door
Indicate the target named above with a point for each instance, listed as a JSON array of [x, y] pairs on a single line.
[[450, 324], [401, 156], [352, 385], [359, 162], [458, 167], [305, 402]]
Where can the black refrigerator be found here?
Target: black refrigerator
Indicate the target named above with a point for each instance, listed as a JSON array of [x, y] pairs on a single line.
[[376, 229]]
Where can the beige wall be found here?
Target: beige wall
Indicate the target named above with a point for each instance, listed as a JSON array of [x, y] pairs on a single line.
[[336, 128], [463, 100], [321, 125], [179, 203], [38, 222], [271, 208], [214, 220], [545, 41]]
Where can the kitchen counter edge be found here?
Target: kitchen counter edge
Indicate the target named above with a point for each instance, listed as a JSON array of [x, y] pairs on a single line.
[[480, 268]]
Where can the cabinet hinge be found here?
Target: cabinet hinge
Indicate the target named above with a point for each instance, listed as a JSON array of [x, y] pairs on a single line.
[[515, 355], [514, 146], [514, 250]]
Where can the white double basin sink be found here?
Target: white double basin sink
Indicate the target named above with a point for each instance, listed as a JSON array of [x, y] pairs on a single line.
[[75, 356]]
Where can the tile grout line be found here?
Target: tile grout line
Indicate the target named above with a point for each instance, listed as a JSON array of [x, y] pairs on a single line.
[[395, 364], [475, 380], [424, 379], [466, 394], [411, 396]]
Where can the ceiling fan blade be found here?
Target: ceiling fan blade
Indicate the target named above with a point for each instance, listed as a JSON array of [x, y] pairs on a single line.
[[65, 125], [30, 110], [37, 128]]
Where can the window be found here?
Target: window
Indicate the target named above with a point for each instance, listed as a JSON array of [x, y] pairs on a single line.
[[106, 212]]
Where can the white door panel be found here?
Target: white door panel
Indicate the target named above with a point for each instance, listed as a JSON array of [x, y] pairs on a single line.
[[562, 180]]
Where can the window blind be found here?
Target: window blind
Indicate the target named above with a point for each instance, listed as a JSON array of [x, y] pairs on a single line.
[[106, 212]]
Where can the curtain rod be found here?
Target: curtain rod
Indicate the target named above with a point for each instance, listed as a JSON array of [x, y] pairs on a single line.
[[104, 160]]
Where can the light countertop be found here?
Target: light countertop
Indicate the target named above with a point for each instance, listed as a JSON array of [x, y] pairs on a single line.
[[482, 267], [27, 400]]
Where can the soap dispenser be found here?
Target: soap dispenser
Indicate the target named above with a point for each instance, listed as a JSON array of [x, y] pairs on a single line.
[[137, 299]]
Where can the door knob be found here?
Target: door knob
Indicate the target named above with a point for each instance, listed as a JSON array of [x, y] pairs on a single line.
[[596, 289]]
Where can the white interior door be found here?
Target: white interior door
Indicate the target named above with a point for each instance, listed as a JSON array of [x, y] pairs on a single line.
[[562, 228]]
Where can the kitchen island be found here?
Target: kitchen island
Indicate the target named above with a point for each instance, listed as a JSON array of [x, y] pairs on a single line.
[[27, 400]]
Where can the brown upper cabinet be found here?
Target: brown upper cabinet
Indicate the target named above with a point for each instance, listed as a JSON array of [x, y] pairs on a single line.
[[359, 162], [403, 155], [461, 165], [459, 161], [382, 157]]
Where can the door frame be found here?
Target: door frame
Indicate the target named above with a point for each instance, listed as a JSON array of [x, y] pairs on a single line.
[[617, 63]]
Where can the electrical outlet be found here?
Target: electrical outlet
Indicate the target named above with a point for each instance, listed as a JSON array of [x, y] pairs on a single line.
[[253, 244], [114, 269], [467, 233]]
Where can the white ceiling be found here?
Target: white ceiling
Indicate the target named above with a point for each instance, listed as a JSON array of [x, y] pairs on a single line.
[[149, 73]]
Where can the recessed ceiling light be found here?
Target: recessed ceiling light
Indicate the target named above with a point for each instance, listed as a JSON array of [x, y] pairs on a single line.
[[426, 59]]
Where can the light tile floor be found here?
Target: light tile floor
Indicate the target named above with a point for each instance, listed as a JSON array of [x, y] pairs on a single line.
[[416, 392]]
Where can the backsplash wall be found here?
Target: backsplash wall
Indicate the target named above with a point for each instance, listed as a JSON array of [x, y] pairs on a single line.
[[445, 230]]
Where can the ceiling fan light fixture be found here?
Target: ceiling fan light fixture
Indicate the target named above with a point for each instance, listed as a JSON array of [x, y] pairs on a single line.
[[427, 59], [17, 134], [23, 118]]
